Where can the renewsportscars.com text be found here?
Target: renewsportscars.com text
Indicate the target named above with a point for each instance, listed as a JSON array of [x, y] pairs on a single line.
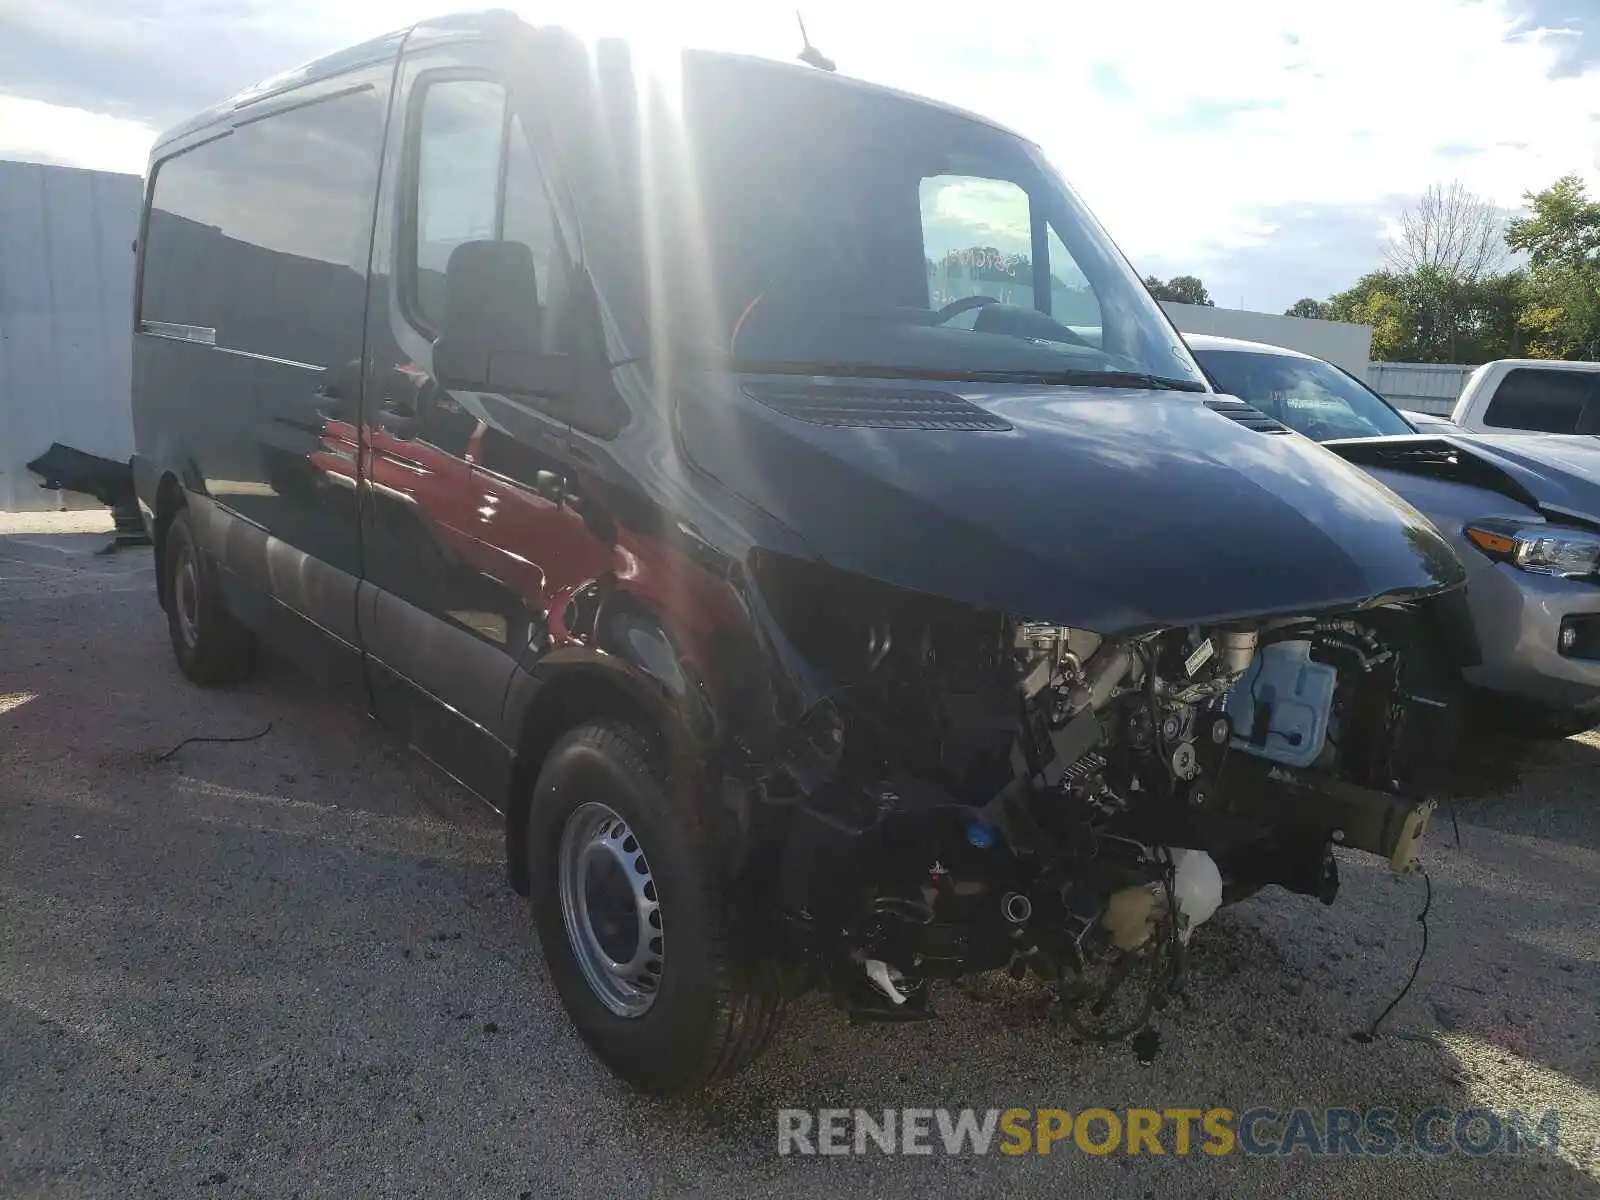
[[1262, 1132]]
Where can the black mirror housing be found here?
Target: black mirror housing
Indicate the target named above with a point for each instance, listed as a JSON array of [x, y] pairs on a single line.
[[471, 365], [493, 340]]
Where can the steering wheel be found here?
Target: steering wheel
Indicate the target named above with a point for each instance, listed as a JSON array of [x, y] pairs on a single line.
[[1316, 429], [966, 304]]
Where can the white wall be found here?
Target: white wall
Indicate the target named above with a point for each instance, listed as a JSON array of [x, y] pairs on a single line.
[[1421, 387], [1347, 345], [66, 313]]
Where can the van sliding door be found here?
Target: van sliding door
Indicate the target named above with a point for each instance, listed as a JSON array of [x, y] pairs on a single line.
[[249, 352]]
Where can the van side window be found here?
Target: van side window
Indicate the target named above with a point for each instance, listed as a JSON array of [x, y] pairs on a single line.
[[281, 206], [1542, 399], [459, 142]]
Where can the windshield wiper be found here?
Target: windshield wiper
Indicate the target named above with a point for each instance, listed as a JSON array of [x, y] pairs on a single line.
[[1068, 378], [1112, 379]]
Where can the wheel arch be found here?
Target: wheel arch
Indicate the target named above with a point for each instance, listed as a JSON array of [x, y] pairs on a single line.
[[580, 688]]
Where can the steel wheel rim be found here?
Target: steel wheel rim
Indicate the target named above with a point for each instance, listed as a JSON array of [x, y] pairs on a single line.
[[611, 909], [186, 598]]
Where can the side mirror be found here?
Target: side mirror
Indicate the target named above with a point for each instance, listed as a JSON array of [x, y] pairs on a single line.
[[492, 339]]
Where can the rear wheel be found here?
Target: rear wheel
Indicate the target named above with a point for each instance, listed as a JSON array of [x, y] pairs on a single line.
[[639, 920], [211, 647]]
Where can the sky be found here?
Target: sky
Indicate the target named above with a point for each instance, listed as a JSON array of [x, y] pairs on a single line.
[[1265, 145]]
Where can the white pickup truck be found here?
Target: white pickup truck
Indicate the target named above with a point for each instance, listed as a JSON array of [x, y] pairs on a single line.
[[1531, 395]]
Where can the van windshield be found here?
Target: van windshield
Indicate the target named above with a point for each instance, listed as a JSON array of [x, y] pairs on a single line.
[[834, 228]]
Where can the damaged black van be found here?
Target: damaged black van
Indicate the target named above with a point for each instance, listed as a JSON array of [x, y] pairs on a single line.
[[777, 496]]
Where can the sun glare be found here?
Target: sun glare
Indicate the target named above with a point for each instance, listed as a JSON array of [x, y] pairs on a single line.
[[11, 700]]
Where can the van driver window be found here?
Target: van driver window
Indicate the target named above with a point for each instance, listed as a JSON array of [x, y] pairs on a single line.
[[477, 179], [459, 149]]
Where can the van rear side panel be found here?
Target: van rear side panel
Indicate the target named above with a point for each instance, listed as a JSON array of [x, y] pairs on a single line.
[[247, 351]]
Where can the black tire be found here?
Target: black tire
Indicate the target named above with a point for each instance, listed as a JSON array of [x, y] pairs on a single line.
[[715, 1004], [211, 647]]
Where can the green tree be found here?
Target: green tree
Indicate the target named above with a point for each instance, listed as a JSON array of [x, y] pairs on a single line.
[[1183, 289], [1426, 315], [1444, 272], [1493, 327], [1187, 289], [1562, 226], [1442, 296], [1560, 232], [1316, 310], [1379, 299]]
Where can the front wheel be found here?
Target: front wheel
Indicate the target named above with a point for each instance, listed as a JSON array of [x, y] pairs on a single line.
[[640, 923]]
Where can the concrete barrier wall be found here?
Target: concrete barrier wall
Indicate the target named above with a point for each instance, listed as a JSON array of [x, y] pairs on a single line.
[[1341, 343], [66, 319]]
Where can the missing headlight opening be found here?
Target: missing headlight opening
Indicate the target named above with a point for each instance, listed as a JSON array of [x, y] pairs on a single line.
[[1005, 794]]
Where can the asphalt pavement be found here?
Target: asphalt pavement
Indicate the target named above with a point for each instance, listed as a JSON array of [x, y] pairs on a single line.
[[290, 966]]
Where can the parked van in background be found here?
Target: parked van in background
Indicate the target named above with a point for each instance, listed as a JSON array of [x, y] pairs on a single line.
[[777, 496], [1530, 395]]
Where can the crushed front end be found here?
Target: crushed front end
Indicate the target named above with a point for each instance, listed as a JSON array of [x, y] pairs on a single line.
[[981, 792]]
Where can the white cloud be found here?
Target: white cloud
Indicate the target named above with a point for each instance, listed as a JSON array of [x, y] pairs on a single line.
[[1217, 132], [37, 132], [1228, 116], [1233, 122]]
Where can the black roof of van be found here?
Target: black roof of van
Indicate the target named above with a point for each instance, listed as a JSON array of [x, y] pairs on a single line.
[[379, 49], [497, 23]]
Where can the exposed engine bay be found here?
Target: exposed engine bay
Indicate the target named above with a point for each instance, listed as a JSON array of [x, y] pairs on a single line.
[[984, 793]]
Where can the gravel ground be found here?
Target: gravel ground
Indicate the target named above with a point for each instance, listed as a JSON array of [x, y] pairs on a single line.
[[291, 966]]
